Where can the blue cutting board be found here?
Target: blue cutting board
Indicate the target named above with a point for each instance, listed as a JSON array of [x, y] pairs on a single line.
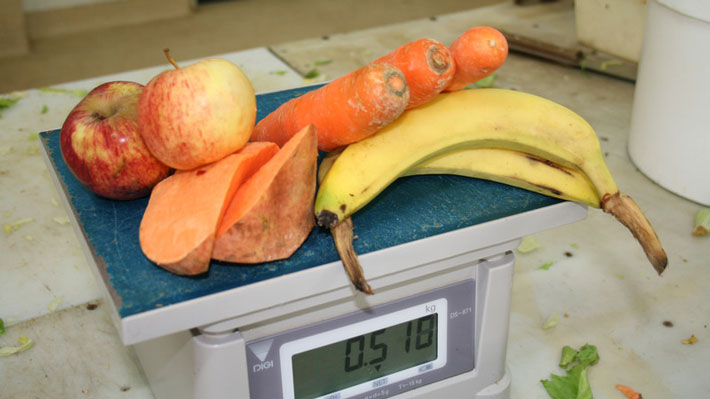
[[410, 209]]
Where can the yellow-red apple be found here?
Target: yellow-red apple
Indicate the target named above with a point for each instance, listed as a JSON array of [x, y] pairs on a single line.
[[101, 145], [198, 114]]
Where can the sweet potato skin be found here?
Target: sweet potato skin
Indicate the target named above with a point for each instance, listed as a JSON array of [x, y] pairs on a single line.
[[197, 261], [282, 218], [179, 224]]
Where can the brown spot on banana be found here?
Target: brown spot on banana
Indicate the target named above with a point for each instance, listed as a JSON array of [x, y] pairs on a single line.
[[548, 163], [551, 190]]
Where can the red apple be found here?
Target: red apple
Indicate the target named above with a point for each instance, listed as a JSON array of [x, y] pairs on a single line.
[[101, 144], [198, 114]]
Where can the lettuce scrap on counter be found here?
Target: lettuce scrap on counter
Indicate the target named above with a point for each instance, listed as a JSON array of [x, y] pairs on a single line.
[[702, 222], [575, 384]]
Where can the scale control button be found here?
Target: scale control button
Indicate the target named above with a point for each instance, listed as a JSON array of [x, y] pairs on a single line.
[[261, 349], [426, 367], [380, 382]]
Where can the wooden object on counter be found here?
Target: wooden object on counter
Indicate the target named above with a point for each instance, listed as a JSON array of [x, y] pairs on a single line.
[[578, 56], [53, 22], [12, 29]]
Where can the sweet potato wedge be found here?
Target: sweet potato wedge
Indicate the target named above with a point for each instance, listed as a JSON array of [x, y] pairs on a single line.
[[272, 213], [179, 224]]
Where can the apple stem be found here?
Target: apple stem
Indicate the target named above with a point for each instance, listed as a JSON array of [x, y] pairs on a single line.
[[172, 61]]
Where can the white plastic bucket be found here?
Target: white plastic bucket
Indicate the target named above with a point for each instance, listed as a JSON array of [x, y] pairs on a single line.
[[669, 139]]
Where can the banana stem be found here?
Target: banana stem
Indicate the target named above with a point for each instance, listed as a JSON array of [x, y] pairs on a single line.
[[343, 237], [630, 215]]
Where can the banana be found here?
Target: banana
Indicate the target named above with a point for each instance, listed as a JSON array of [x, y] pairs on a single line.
[[510, 167], [504, 166], [475, 119], [513, 168]]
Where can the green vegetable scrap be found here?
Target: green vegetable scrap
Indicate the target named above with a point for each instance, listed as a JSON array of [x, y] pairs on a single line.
[[487, 82], [7, 102], [75, 92], [575, 384], [52, 306], [606, 64], [63, 220], [312, 74], [45, 108], [588, 355], [2, 326], [551, 321], [23, 343], [33, 137], [583, 67], [528, 244], [568, 356], [323, 62], [702, 222], [280, 73], [547, 265]]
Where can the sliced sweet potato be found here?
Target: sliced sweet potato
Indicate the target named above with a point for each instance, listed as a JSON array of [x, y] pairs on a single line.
[[178, 227], [272, 213]]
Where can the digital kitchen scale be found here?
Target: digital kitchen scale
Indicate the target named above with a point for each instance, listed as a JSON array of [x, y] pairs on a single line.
[[437, 250]]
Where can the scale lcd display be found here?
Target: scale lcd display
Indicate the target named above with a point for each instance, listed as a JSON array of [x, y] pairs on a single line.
[[366, 357]]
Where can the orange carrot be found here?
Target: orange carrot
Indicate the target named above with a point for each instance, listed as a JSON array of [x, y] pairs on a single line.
[[426, 64], [344, 111], [478, 52], [630, 393], [178, 228], [272, 213]]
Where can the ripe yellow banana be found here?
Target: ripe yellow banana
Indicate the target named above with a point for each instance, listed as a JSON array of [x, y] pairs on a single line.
[[480, 118], [513, 168], [504, 166], [510, 167]]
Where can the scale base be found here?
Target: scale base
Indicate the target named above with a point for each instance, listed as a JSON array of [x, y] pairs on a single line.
[[499, 390], [164, 386], [195, 364]]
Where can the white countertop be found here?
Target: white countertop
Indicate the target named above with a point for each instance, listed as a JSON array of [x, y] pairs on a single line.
[[608, 291]]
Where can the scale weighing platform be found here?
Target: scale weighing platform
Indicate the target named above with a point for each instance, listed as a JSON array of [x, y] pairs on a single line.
[[437, 250]]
